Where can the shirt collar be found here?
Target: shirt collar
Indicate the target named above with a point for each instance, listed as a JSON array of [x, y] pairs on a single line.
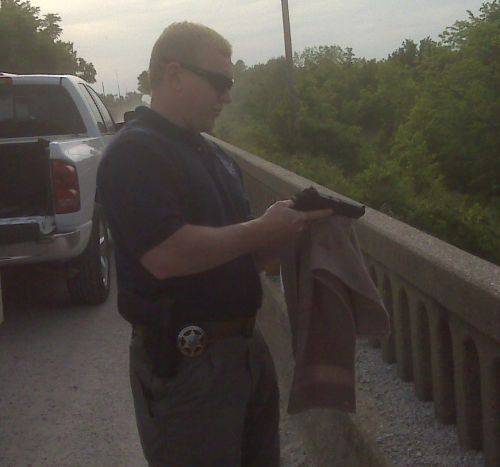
[[166, 126]]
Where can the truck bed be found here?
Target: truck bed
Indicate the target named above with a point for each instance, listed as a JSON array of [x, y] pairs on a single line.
[[25, 184]]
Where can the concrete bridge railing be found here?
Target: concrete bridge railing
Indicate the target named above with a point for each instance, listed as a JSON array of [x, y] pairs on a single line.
[[444, 305]]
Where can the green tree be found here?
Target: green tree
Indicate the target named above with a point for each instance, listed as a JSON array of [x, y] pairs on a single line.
[[458, 107], [239, 68], [85, 70], [414, 135], [31, 43], [118, 105], [144, 86]]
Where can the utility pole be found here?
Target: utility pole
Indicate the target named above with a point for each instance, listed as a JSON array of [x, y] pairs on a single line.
[[118, 84], [294, 127], [286, 31]]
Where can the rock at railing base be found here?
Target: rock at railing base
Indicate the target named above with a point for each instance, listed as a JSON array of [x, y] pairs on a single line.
[[391, 426], [331, 438]]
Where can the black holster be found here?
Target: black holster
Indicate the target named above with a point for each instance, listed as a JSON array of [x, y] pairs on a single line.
[[153, 321], [159, 344]]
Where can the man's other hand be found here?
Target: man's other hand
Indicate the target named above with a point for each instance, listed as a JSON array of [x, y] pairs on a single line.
[[283, 223]]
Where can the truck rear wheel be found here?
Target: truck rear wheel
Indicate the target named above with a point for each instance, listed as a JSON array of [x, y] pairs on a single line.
[[91, 283]]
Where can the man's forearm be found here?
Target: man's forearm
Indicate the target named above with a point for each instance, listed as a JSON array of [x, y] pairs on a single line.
[[193, 249]]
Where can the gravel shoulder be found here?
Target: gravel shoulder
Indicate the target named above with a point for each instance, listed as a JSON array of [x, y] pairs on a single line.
[[404, 428]]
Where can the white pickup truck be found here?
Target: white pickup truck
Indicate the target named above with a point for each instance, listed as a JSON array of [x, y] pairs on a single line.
[[53, 130]]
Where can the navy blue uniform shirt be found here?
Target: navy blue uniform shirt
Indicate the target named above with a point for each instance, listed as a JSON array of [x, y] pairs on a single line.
[[156, 177]]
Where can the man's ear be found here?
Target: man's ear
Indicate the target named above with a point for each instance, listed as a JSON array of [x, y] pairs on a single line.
[[172, 75]]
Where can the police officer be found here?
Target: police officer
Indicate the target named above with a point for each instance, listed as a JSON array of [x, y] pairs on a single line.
[[188, 254]]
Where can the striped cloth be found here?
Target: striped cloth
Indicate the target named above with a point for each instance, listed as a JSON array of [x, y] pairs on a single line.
[[331, 300]]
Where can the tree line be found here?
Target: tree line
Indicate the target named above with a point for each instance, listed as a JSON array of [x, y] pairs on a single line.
[[31, 43], [416, 135]]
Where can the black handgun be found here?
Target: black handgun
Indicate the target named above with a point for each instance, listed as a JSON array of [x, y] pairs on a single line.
[[310, 200]]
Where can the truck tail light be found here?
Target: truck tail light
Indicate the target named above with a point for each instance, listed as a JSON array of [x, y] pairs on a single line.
[[65, 187]]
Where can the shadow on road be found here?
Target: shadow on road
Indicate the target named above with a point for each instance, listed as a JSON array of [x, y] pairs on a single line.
[[34, 289]]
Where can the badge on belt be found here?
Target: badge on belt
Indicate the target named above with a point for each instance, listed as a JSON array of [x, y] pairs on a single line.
[[191, 341]]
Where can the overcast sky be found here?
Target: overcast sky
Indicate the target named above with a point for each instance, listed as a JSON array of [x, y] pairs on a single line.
[[117, 35]]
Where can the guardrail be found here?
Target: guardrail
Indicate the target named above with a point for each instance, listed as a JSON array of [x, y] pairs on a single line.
[[444, 305]]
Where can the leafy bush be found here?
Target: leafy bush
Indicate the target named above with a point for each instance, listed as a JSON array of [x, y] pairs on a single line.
[[415, 135]]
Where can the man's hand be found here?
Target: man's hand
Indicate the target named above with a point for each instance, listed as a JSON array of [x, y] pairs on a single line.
[[285, 224], [282, 223]]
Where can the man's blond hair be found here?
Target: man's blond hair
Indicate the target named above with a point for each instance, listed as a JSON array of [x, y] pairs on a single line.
[[184, 42]]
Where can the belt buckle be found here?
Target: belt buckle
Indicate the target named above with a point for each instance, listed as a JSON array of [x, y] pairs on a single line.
[[191, 341]]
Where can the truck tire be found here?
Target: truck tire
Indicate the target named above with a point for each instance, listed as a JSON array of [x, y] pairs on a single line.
[[91, 283]]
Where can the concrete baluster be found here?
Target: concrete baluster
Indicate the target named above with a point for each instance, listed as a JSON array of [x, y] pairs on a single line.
[[374, 342], [1, 300], [402, 335], [388, 346], [467, 386], [465, 377], [489, 356], [421, 349], [443, 381]]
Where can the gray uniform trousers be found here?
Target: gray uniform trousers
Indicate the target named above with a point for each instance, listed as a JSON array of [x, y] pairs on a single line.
[[221, 409]]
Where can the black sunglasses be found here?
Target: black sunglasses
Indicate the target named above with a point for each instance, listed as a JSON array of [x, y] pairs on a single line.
[[221, 83]]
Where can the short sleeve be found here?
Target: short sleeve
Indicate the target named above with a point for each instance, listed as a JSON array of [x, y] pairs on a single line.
[[139, 190], [234, 168], [249, 215]]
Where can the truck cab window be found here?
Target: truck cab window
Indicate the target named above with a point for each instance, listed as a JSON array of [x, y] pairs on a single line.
[[108, 119], [94, 109], [37, 110]]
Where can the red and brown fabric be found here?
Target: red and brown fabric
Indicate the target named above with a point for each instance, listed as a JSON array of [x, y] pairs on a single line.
[[331, 300]]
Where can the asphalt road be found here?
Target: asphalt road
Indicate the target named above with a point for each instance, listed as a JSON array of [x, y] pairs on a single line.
[[64, 390]]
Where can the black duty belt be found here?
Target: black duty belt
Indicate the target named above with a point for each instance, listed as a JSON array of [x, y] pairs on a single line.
[[192, 339]]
